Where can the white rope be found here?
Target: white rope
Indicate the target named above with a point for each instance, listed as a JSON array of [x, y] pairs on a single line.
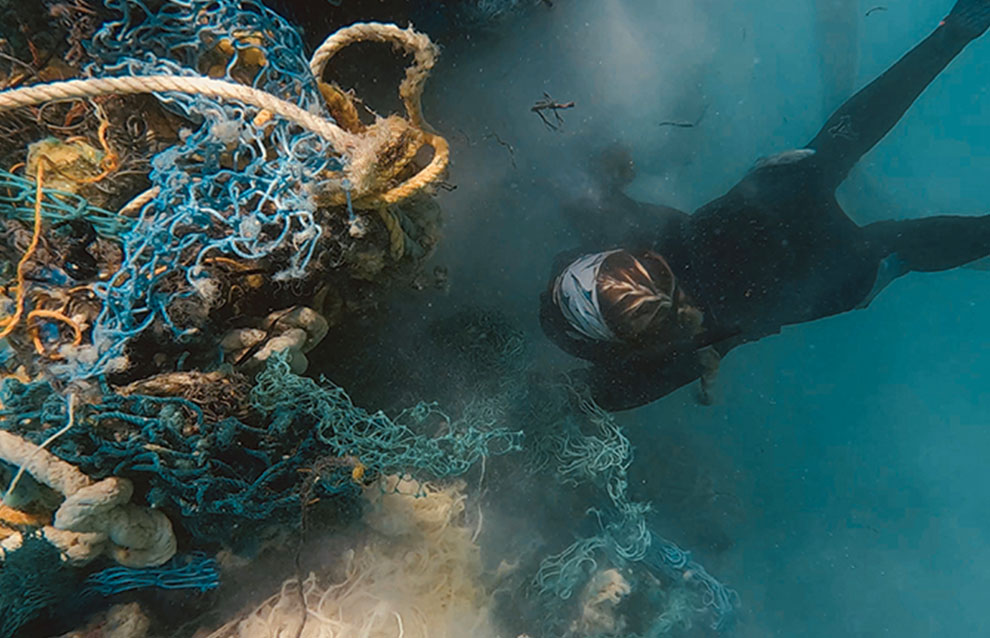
[[341, 140], [418, 44], [134, 206], [20, 471]]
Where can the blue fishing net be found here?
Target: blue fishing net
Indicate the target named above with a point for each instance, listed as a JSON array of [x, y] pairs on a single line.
[[229, 188], [33, 578], [576, 455], [601, 458], [383, 444], [227, 477], [17, 202], [7, 355], [196, 571]]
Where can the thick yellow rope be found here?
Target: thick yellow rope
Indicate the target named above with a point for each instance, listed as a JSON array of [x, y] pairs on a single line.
[[396, 236], [424, 54], [431, 173], [423, 50]]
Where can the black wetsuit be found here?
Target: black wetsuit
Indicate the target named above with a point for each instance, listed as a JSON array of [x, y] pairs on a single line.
[[777, 249]]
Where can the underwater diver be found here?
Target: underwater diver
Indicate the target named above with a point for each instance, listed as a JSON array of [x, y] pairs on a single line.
[[664, 295]]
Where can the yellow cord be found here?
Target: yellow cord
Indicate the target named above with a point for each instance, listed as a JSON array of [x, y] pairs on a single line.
[[397, 238]]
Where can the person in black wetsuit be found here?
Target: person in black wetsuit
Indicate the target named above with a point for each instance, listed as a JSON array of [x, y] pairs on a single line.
[[665, 295]]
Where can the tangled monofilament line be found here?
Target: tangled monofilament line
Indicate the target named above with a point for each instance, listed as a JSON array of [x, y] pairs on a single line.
[[602, 459]]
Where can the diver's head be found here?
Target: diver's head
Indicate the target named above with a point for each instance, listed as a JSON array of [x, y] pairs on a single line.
[[613, 166], [618, 297]]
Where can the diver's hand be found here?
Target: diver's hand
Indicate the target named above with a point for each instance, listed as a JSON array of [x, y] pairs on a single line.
[[970, 16], [705, 394], [710, 360]]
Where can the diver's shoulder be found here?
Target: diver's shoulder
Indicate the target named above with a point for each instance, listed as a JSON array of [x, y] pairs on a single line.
[[779, 168], [791, 157], [772, 181]]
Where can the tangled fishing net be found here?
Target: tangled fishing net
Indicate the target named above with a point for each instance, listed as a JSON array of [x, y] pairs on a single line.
[[188, 208], [32, 580], [260, 182], [607, 572], [587, 447], [227, 479]]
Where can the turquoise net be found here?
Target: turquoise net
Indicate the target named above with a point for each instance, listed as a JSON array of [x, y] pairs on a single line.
[[229, 188], [226, 478]]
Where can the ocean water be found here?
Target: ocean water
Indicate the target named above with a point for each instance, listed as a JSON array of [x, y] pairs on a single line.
[[846, 456], [838, 482]]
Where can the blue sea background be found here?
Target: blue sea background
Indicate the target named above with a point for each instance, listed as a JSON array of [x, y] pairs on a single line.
[[839, 483]]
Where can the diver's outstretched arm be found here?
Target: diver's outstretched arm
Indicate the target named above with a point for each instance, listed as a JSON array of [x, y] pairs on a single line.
[[870, 114]]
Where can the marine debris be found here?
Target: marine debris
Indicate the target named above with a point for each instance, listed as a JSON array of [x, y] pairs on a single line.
[[686, 124], [551, 106], [508, 147], [190, 206], [191, 211]]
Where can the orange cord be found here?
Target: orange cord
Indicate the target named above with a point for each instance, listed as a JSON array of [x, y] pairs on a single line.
[[110, 161], [18, 518], [237, 265], [10, 323], [35, 54], [57, 316], [11, 171], [78, 110]]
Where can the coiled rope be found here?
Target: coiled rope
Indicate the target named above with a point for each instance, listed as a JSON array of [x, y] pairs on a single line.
[[424, 54], [423, 50]]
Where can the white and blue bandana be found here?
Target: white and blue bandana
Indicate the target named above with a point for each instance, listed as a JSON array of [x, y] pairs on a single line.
[[576, 294]]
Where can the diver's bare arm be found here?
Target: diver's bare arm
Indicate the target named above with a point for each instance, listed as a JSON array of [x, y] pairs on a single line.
[[870, 114]]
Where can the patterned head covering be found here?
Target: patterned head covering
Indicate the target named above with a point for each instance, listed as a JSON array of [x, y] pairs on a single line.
[[636, 293], [575, 292], [613, 296]]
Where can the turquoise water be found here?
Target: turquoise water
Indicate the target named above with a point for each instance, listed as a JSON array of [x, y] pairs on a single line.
[[850, 452], [837, 483]]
